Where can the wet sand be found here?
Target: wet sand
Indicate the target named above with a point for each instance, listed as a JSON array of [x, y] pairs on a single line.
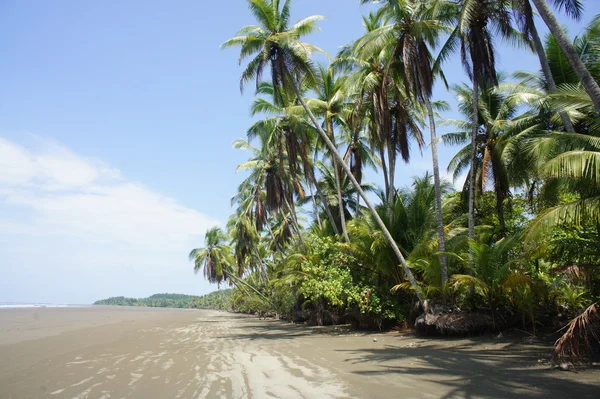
[[107, 352]]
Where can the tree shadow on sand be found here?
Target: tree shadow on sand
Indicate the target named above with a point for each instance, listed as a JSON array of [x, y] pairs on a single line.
[[467, 372]]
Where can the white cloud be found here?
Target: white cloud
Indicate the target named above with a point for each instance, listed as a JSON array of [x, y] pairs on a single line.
[[70, 211], [70, 193]]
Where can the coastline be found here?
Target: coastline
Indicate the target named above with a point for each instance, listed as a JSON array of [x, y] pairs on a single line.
[[111, 352]]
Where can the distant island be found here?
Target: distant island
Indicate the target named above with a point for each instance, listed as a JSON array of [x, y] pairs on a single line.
[[218, 300]]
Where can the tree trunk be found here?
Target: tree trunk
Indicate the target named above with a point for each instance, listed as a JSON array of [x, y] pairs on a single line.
[[541, 52], [391, 194], [588, 82], [386, 182], [335, 153], [325, 204], [438, 192], [475, 121], [315, 206], [295, 224], [338, 183]]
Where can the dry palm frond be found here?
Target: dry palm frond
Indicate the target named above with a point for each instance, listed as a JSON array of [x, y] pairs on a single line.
[[581, 338]]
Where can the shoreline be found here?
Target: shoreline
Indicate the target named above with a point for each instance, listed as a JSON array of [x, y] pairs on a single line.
[[111, 352]]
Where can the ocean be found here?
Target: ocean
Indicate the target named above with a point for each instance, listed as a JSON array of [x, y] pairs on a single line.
[[37, 305]]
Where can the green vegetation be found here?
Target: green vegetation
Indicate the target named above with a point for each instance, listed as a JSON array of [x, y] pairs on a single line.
[[218, 300], [519, 243]]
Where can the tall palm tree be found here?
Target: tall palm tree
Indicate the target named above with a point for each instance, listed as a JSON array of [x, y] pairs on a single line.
[[215, 258], [525, 20], [477, 21], [574, 8], [415, 29], [494, 130], [291, 130], [358, 155], [331, 105], [277, 45], [380, 81]]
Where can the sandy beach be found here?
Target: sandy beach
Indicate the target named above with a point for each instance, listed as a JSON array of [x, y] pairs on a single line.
[[106, 352]]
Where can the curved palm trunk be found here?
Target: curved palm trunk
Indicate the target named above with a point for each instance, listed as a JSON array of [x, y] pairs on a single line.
[[315, 207], [475, 121], [588, 82], [325, 205], [294, 218], [338, 184], [541, 52], [335, 153], [438, 193], [341, 202]]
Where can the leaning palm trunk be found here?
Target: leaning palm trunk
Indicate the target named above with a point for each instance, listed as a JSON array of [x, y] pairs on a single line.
[[241, 283], [325, 204], [588, 82], [581, 337], [338, 185], [438, 192], [335, 153], [315, 207], [340, 202], [294, 220], [541, 52]]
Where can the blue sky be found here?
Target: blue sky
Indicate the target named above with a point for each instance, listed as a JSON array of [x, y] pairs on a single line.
[[116, 124]]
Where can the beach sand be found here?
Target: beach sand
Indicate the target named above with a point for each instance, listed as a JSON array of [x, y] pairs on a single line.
[[108, 352]]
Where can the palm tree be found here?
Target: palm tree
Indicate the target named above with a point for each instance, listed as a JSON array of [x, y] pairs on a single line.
[[576, 161], [477, 21], [378, 80], [494, 130], [358, 155], [268, 175], [525, 20], [288, 129], [413, 221], [330, 104], [215, 258], [416, 28], [573, 7], [492, 275], [278, 45], [329, 187]]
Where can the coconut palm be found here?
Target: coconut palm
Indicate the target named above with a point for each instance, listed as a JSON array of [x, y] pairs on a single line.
[[277, 45], [477, 21], [495, 128], [578, 167], [291, 131], [378, 81], [525, 20], [413, 221], [415, 29], [215, 258], [329, 187], [331, 104], [358, 155], [574, 8]]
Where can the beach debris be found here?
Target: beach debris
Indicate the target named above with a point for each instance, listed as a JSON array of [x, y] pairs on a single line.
[[564, 366]]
